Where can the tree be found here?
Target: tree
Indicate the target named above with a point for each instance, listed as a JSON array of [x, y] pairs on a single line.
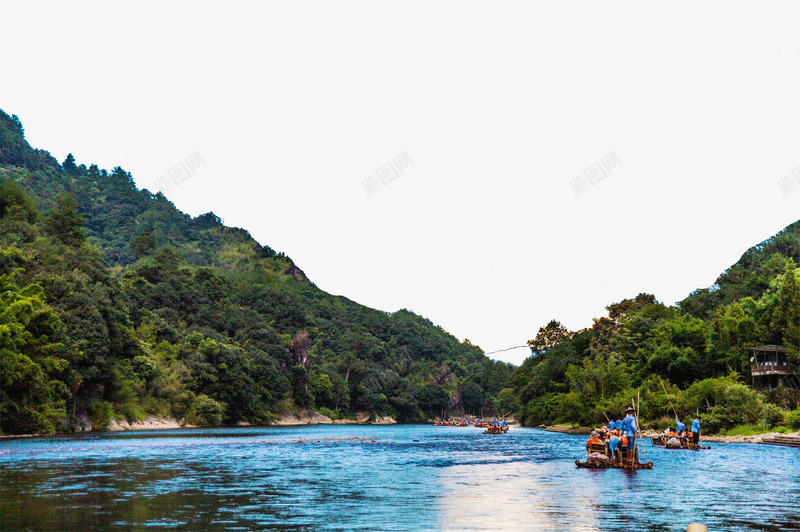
[[143, 244], [786, 316], [473, 397], [14, 201], [550, 335], [64, 222], [69, 165], [32, 369]]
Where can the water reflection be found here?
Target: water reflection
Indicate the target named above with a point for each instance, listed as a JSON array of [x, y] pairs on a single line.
[[512, 496]]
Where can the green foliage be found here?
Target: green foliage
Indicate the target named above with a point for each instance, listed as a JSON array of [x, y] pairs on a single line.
[[158, 309], [102, 412], [786, 314], [143, 309], [32, 367], [727, 403], [792, 419], [206, 412], [641, 341], [507, 401], [64, 222]]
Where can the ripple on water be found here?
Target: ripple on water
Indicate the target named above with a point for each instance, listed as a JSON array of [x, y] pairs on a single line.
[[383, 478]]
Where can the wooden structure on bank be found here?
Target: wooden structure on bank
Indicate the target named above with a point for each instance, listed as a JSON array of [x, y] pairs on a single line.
[[770, 368]]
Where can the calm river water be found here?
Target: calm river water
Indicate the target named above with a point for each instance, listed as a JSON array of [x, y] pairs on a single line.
[[383, 478]]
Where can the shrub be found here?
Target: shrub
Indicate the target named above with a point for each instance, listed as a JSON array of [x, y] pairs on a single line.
[[792, 419], [770, 416], [102, 412], [328, 412], [206, 412]]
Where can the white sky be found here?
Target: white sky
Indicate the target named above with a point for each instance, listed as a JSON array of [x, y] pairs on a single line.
[[500, 106]]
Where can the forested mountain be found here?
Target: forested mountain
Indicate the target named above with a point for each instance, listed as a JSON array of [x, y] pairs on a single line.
[[696, 350], [115, 303]]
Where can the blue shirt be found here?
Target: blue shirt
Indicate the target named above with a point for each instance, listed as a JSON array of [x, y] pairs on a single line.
[[613, 444], [696, 425], [681, 426], [610, 425], [629, 424]]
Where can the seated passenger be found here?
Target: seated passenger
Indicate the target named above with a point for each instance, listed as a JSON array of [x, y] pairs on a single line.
[[613, 443], [594, 439]]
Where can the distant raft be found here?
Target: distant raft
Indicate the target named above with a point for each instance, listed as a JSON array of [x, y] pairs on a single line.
[[684, 443], [496, 429]]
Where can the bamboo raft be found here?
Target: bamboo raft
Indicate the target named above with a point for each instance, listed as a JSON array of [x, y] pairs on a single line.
[[619, 459], [612, 464], [491, 429], [661, 441]]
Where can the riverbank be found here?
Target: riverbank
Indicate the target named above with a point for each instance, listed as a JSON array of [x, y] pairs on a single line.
[[309, 417], [287, 419], [567, 429], [149, 423]]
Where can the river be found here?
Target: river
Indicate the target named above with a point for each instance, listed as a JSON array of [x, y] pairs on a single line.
[[411, 477]]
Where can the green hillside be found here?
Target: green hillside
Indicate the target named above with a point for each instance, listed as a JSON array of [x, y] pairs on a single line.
[[697, 351], [115, 303]]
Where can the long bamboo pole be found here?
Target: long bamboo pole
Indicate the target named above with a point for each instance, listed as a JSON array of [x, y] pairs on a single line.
[[638, 404], [668, 399]]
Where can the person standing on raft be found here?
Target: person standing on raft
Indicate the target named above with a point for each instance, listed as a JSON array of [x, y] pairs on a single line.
[[680, 428], [696, 430], [629, 425]]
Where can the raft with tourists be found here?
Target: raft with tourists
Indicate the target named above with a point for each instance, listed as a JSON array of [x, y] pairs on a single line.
[[679, 437], [673, 441], [496, 429], [441, 422], [615, 446]]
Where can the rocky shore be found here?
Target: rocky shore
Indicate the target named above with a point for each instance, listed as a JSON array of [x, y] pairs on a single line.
[[161, 423], [149, 423], [308, 417], [567, 429], [304, 417]]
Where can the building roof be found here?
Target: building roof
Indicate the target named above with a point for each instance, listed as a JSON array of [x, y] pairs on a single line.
[[768, 347]]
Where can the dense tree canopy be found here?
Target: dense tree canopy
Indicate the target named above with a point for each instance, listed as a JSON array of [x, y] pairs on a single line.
[[589, 375], [114, 303]]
